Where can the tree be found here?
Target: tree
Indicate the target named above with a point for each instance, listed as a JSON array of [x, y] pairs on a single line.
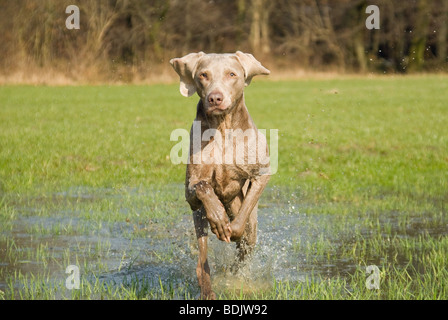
[[419, 38], [259, 29]]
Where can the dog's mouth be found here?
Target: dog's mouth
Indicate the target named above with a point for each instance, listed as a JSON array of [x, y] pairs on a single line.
[[217, 110]]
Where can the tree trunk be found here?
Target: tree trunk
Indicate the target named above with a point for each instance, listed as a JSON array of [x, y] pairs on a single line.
[[418, 43], [188, 34], [358, 38], [259, 30], [442, 33], [241, 15], [358, 43]]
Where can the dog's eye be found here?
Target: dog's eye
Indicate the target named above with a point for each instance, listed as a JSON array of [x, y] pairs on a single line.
[[203, 75], [232, 74]]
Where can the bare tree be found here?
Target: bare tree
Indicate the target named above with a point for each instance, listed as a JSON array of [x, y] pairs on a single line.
[[441, 8], [259, 29], [121, 39], [419, 38]]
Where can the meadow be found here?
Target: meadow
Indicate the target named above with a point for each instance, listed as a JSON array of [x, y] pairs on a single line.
[[86, 180]]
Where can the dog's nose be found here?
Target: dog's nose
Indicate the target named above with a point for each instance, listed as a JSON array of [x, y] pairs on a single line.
[[215, 98]]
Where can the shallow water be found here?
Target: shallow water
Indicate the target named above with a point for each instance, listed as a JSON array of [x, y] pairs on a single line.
[[161, 248]]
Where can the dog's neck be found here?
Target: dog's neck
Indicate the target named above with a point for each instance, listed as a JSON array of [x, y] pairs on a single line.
[[237, 118]]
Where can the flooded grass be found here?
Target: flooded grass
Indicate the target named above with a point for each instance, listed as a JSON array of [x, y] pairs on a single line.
[[86, 180], [129, 246]]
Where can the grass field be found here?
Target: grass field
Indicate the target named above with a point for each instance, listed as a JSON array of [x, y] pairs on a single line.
[[86, 180]]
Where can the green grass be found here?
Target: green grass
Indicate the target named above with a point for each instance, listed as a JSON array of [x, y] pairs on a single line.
[[86, 179], [385, 135]]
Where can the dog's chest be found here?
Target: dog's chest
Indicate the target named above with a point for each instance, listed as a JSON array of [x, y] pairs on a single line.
[[227, 181]]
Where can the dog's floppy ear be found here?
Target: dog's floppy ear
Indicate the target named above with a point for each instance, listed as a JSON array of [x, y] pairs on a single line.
[[251, 66], [185, 68]]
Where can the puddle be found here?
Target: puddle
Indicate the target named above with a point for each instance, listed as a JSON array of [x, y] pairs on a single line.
[[122, 235]]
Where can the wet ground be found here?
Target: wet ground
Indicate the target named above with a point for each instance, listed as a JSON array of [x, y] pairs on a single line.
[[125, 238]]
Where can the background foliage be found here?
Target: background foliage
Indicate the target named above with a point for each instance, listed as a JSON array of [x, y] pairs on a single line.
[[132, 40]]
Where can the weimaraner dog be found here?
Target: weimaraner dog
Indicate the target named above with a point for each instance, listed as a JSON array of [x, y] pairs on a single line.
[[222, 194]]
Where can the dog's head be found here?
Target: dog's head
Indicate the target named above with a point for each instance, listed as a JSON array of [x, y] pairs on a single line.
[[219, 79]]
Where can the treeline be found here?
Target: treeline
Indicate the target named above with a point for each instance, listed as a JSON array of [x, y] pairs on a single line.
[[131, 39]]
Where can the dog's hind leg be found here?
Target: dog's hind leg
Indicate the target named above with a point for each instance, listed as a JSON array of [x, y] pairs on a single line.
[[203, 269]]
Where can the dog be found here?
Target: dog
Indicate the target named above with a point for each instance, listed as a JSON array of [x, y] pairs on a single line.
[[223, 194]]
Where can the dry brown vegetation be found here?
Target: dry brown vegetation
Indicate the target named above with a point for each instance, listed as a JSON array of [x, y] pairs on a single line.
[[132, 41]]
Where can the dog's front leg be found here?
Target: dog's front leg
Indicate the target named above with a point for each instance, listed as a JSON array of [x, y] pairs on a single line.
[[250, 201], [203, 269], [215, 211]]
